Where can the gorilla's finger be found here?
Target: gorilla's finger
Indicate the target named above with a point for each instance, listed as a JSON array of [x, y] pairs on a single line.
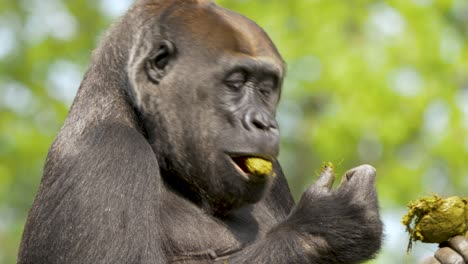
[[362, 177], [359, 182], [431, 260], [460, 244], [447, 255], [323, 184], [325, 180]]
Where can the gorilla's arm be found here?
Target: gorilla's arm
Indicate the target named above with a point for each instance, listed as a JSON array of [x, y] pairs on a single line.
[[86, 208], [326, 226]]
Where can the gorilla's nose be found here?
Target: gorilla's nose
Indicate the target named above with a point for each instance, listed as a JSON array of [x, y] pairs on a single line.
[[259, 120]]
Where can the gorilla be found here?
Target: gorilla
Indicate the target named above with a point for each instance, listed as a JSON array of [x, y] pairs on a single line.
[[150, 165]]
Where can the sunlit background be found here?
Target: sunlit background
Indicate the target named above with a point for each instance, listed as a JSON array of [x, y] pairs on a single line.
[[378, 82]]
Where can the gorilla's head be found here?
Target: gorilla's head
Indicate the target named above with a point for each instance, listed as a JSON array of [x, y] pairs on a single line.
[[206, 82]]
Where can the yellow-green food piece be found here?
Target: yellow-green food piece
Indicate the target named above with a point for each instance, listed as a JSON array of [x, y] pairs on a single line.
[[327, 165], [434, 219], [258, 166]]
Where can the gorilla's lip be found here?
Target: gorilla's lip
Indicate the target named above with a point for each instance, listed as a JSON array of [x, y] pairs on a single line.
[[238, 161]]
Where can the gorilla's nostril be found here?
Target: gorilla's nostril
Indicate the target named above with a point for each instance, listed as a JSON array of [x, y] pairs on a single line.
[[259, 124], [259, 121]]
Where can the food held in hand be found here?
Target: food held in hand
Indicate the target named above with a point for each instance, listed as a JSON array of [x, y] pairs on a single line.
[[435, 219]]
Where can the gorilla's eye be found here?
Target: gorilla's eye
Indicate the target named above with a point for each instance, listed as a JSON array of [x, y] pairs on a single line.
[[266, 87], [236, 79]]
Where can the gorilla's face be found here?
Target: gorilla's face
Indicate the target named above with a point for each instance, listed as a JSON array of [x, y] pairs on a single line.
[[208, 103]]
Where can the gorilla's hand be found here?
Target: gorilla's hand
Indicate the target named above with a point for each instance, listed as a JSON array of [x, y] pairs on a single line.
[[342, 225], [327, 226], [454, 251]]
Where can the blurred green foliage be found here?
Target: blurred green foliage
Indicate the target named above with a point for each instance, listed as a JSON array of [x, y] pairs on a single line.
[[369, 81]]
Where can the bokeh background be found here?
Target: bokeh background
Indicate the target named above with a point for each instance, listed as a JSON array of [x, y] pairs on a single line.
[[369, 81]]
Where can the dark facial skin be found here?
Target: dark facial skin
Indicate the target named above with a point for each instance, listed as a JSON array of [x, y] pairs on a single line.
[[228, 76], [146, 168]]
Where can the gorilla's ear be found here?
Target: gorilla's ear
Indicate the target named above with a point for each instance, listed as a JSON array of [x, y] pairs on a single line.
[[157, 64]]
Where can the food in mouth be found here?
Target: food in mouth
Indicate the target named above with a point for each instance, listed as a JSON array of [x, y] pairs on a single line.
[[254, 166]]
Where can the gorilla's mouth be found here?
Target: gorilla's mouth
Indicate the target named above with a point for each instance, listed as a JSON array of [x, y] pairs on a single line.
[[252, 166]]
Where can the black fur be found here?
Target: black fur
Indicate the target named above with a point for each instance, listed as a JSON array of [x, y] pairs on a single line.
[[141, 172]]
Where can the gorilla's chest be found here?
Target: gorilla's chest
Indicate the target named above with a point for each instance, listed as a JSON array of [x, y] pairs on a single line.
[[191, 236]]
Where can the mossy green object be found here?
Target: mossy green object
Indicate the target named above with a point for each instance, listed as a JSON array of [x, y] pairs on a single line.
[[258, 166], [435, 220]]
